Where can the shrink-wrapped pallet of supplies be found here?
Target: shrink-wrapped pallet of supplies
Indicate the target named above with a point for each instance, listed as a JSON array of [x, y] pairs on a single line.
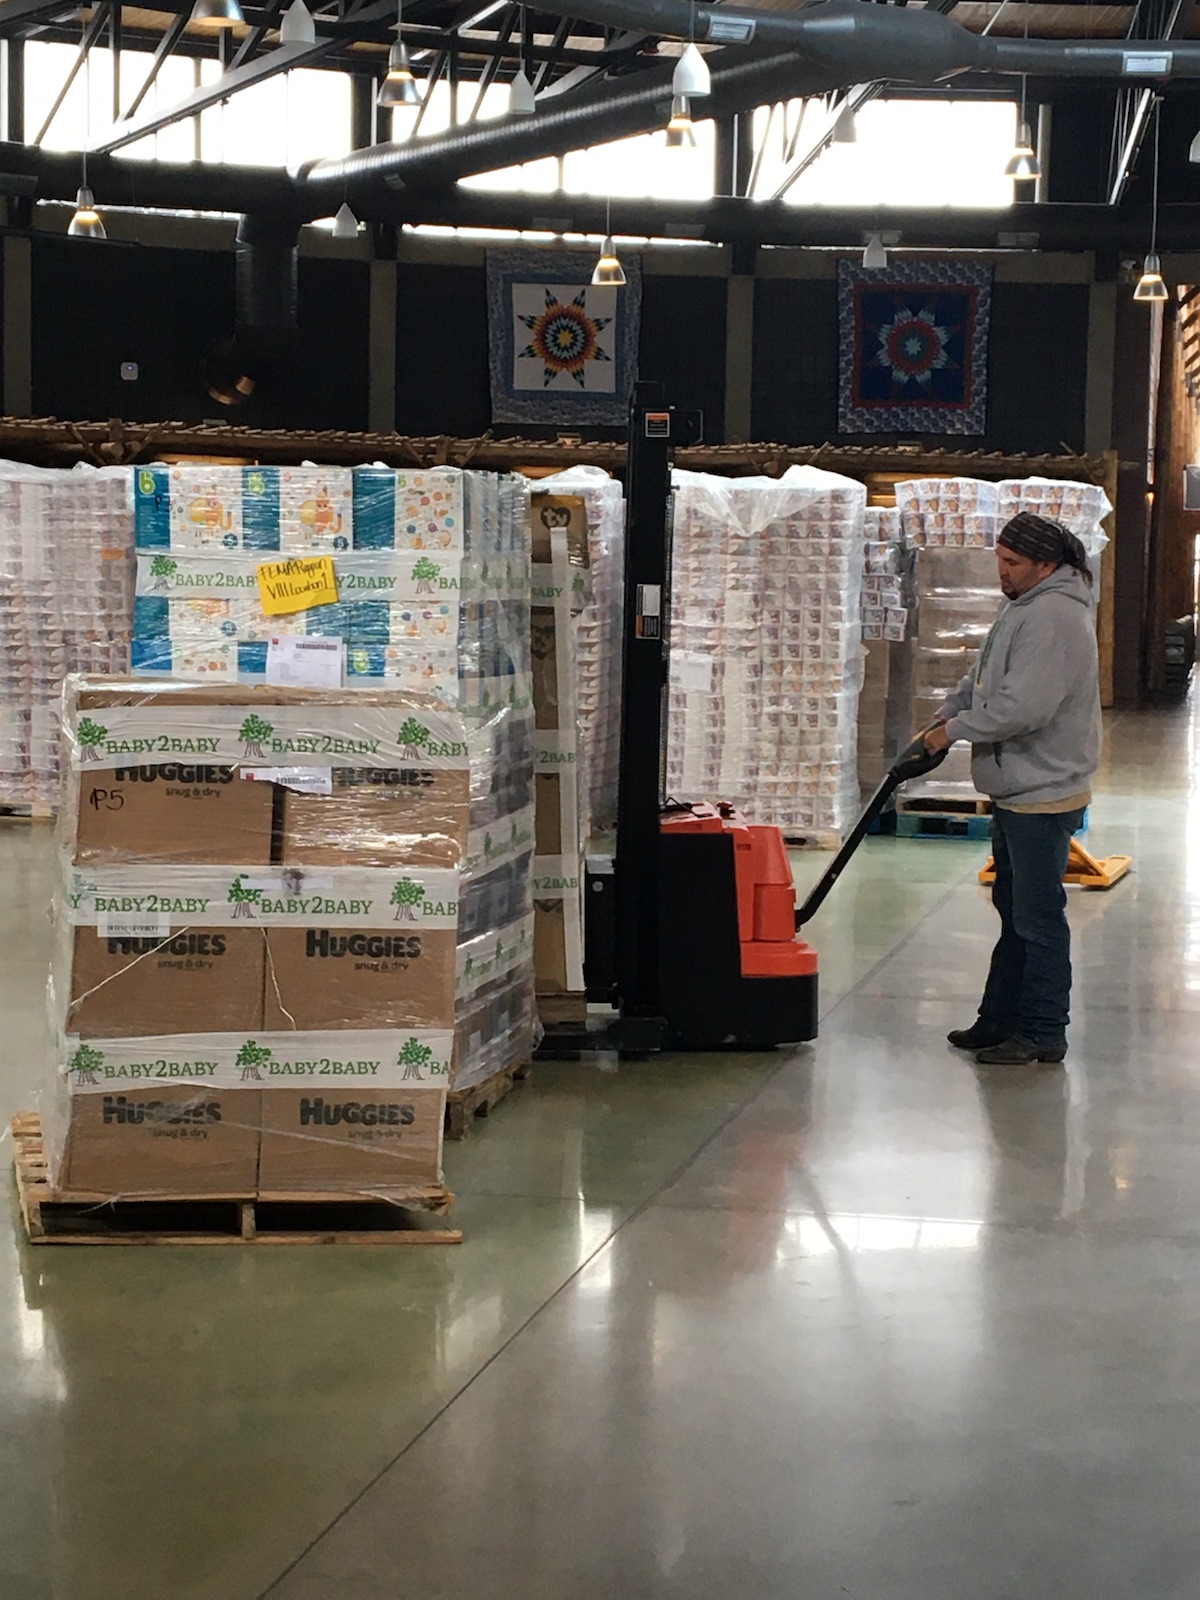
[[766, 655]]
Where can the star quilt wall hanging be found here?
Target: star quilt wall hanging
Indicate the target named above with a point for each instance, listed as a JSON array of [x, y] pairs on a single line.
[[912, 347], [561, 351]]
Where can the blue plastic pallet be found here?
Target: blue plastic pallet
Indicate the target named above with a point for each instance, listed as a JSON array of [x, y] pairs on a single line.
[[941, 825]]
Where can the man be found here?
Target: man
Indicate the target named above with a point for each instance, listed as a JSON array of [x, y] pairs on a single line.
[[1031, 709]]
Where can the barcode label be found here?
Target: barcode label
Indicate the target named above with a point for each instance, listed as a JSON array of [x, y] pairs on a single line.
[[110, 926]]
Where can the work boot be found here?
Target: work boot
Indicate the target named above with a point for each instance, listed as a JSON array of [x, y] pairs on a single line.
[[1018, 1052], [980, 1035]]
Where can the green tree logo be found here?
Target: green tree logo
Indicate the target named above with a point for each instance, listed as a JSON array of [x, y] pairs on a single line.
[[413, 1057], [162, 569], [86, 1063], [406, 896], [412, 739], [91, 736], [425, 572], [252, 733], [469, 967], [250, 1057], [243, 899]]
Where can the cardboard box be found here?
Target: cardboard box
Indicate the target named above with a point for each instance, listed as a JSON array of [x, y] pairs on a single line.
[[323, 978], [201, 980], [548, 812], [351, 1139], [550, 946], [180, 811], [171, 1141], [378, 817], [545, 645]]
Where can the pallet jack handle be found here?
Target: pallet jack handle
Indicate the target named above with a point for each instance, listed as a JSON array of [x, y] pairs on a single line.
[[914, 761]]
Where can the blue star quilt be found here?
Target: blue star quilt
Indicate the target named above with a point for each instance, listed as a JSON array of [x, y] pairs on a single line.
[[912, 347]]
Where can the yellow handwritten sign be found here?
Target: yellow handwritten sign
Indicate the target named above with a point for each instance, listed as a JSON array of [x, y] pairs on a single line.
[[287, 586]]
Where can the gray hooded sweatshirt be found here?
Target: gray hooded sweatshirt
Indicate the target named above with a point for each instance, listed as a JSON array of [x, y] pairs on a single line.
[[1031, 707]]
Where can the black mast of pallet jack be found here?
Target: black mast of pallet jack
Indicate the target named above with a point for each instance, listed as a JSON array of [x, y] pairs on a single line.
[[639, 792]]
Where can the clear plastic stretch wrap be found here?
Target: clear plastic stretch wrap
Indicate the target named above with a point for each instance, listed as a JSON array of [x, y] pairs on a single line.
[[66, 600], [598, 634], [766, 654], [888, 615], [958, 590], [288, 922], [432, 569]]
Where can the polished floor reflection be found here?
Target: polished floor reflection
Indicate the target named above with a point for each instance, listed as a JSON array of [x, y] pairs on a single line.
[[855, 1320]]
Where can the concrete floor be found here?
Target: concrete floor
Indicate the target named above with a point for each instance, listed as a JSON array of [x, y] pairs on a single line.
[[859, 1320]]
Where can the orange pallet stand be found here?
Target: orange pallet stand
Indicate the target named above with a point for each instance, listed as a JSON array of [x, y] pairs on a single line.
[[1083, 868]]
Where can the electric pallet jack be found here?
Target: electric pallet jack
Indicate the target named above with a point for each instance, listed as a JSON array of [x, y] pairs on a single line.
[[694, 938]]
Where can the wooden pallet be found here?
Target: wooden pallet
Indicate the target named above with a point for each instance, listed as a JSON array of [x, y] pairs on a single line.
[[463, 1105], [68, 1216], [821, 839], [946, 805], [40, 812]]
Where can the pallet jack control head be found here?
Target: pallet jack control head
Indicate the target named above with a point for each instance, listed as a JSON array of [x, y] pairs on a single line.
[[914, 761]]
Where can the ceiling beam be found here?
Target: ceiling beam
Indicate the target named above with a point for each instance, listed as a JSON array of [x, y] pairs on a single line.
[[166, 47], [232, 82]]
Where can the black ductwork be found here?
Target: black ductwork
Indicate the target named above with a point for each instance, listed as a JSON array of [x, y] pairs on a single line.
[[265, 314], [830, 45], [769, 56]]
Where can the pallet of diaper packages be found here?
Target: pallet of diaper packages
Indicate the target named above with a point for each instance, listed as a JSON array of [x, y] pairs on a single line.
[[257, 975], [561, 589], [416, 569]]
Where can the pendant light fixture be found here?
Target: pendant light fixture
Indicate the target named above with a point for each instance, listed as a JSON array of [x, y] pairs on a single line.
[[875, 256], [1023, 163], [87, 223], [1150, 286], [692, 78], [297, 26], [521, 99], [399, 87], [608, 272], [213, 15], [345, 224], [680, 133]]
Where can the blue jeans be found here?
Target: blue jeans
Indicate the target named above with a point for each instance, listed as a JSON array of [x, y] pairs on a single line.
[[1028, 991]]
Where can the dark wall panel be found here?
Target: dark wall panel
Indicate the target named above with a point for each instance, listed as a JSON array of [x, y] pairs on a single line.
[[328, 382], [683, 344], [442, 350], [1037, 367], [793, 395], [96, 306]]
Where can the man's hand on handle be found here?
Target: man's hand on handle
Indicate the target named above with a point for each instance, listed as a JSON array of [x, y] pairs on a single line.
[[936, 738]]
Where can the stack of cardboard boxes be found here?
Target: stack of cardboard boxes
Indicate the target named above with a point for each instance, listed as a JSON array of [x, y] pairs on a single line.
[[561, 587], [598, 631], [888, 613], [432, 571], [263, 923]]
